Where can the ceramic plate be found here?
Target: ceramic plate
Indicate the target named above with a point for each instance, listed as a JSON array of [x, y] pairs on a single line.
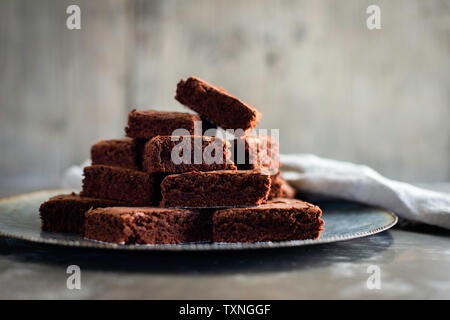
[[19, 218]]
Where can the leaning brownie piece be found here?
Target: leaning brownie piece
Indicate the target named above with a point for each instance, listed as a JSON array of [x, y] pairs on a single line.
[[277, 220], [280, 188], [147, 124], [124, 153], [130, 187], [148, 225], [65, 212], [217, 105], [215, 189], [251, 152], [166, 154]]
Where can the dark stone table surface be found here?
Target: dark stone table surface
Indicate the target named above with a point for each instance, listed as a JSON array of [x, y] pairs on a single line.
[[413, 261]]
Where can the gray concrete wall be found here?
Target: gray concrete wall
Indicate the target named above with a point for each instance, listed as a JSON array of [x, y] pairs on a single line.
[[333, 87]]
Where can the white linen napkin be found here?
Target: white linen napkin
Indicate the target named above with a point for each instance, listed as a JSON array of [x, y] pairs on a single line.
[[337, 179], [73, 177]]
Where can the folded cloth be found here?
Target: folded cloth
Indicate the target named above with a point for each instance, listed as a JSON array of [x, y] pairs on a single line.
[[344, 180], [73, 177]]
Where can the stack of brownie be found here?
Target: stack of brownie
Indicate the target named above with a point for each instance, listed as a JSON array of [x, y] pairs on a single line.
[[158, 186]]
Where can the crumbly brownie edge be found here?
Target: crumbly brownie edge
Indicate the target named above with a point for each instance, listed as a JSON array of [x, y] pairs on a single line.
[[124, 153], [215, 189], [148, 125], [127, 186], [271, 222], [216, 105], [157, 155], [65, 213], [149, 225]]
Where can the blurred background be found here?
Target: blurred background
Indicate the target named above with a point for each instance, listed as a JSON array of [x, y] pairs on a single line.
[[333, 87]]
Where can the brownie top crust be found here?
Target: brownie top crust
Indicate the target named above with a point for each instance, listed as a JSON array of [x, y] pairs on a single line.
[[284, 203], [146, 124], [165, 115], [70, 196], [110, 142], [131, 211], [222, 172], [279, 203], [76, 197]]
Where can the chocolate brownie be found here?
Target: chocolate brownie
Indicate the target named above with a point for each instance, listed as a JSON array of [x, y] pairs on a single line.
[[215, 189], [128, 186], [148, 225], [251, 152], [65, 212], [280, 188], [147, 124], [165, 154], [124, 153], [277, 220], [216, 105]]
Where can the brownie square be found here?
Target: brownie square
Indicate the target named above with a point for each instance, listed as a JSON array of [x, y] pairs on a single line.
[[128, 186], [258, 151], [277, 220], [148, 225], [280, 188], [215, 189], [124, 153], [146, 124], [65, 212], [157, 155], [216, 105]]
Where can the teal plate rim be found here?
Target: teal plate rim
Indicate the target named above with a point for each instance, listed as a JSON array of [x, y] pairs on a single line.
[[75, 241]]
